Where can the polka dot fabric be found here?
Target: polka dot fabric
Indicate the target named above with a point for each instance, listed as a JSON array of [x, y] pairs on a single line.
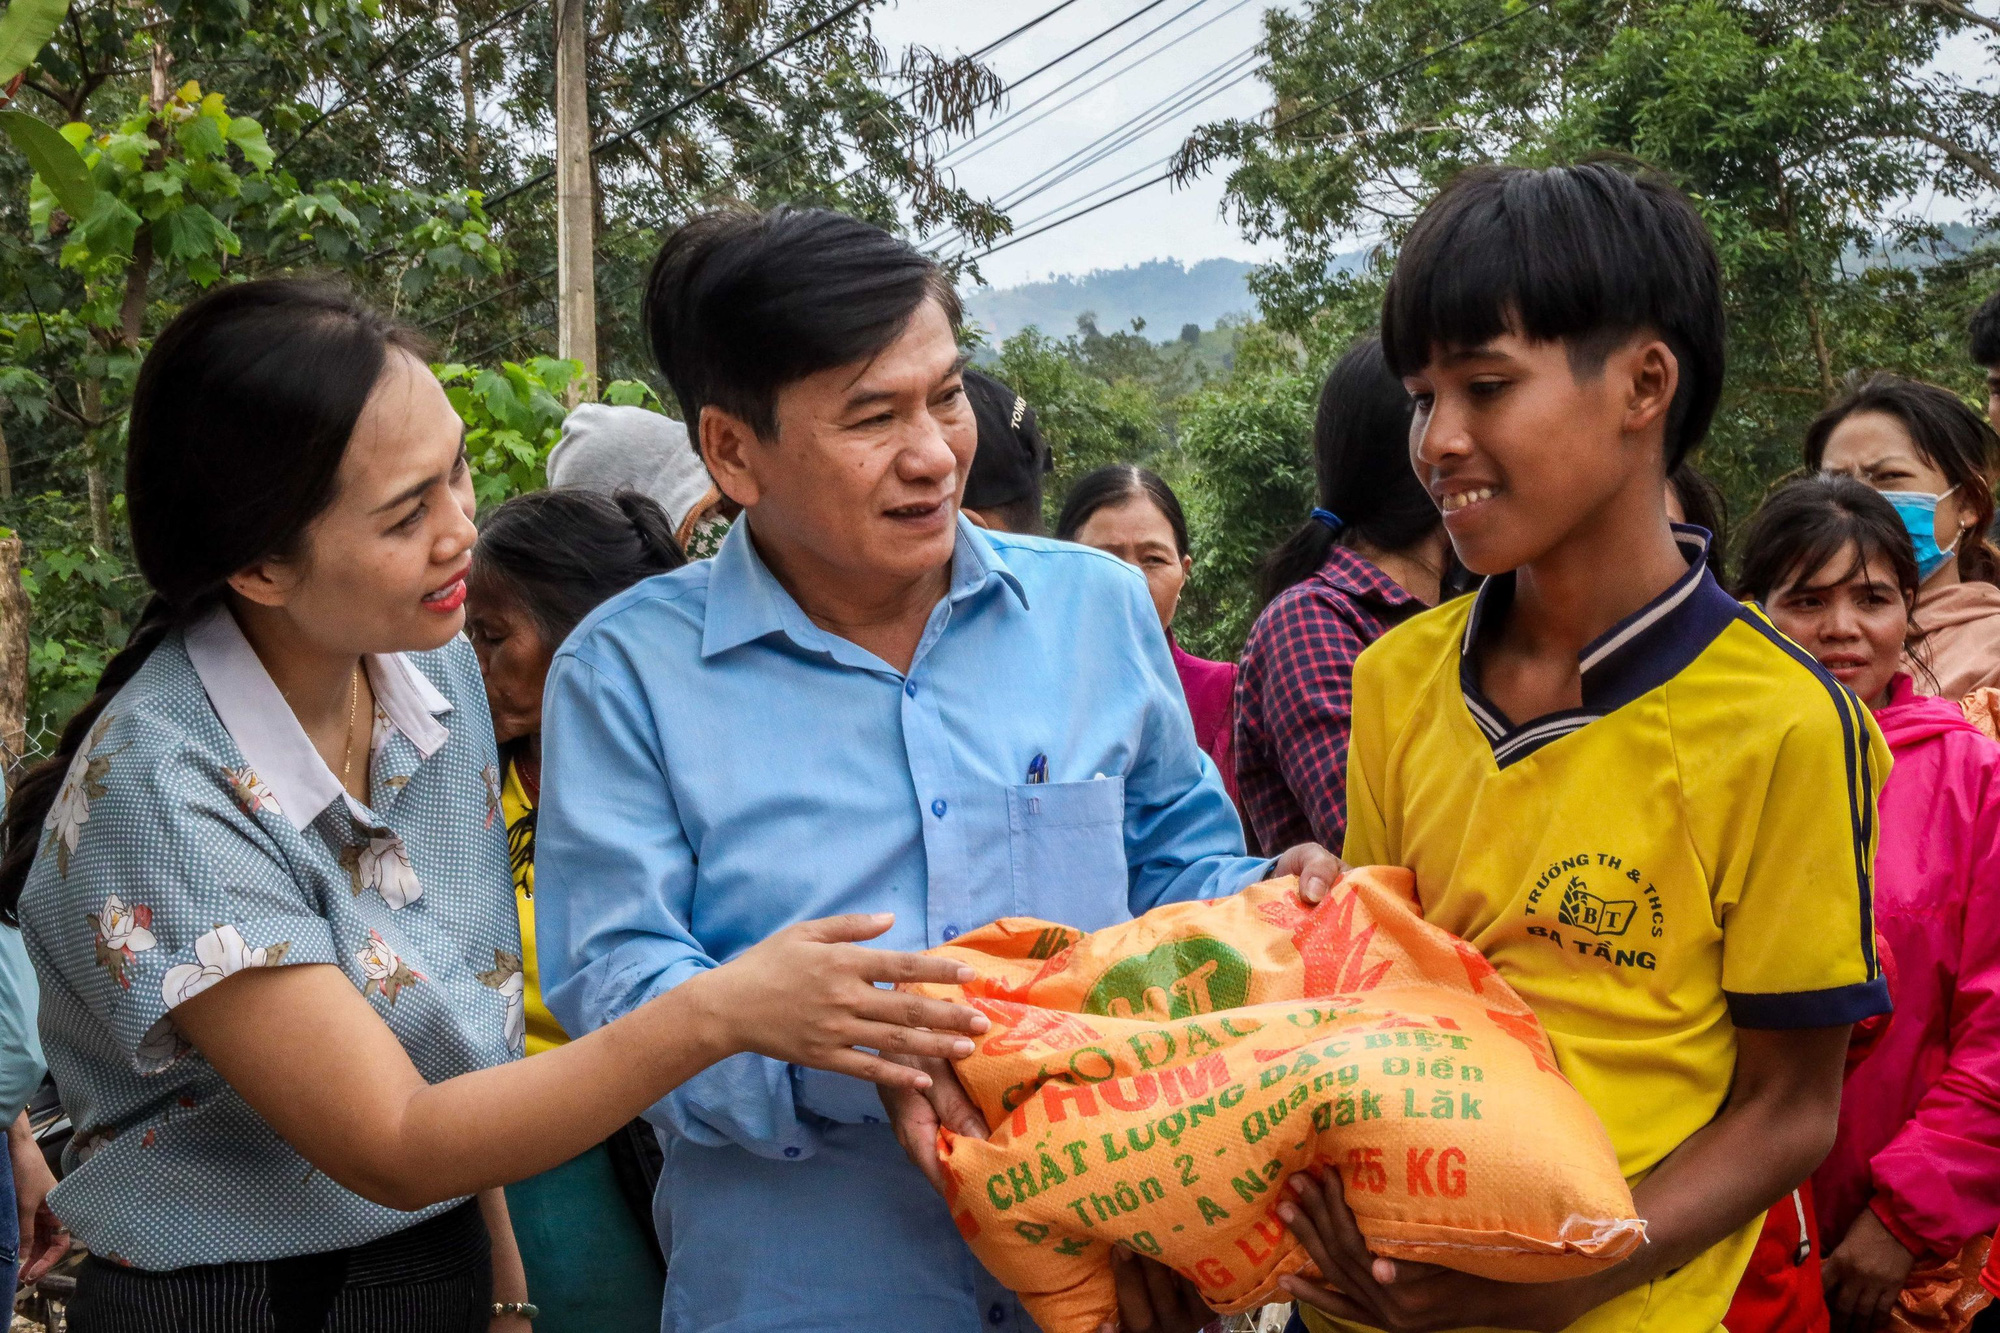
[[171, 861]]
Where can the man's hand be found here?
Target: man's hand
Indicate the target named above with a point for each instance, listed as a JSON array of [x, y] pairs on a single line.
[[1405, 1297], [1153, 1298], [916, 1115], [1317, 868], [44, 1239], [1864, 1274]]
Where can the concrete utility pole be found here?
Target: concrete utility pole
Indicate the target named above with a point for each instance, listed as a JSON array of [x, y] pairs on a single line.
[[576, 271]]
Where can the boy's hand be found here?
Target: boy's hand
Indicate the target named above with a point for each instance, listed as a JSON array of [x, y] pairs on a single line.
[[1153, 1298], [1864, 1274], [915, 1116], [1405, 1297], [1317, 868]]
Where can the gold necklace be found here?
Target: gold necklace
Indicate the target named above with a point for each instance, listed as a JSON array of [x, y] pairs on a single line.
[[353, 708]]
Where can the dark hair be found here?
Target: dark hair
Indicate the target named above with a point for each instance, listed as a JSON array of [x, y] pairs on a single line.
[[1112, 485], [1023, 515], [1588, 255], [240, 417], [1809, 521], [1703, 504], [740, 304], [1986, 333], [1361, 457], [560, 554], [1951, 436]]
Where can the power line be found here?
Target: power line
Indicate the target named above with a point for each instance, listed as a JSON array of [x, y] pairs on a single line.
[[418, 63], [957, 156], [625, 136], [1040, 18], [766, 164], [1196, 91], [1218, 80], [1273, 128], [1087, 42], [990, 47]]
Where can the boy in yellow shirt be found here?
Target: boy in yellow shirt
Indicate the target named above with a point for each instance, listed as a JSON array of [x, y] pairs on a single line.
[[1648, 809]]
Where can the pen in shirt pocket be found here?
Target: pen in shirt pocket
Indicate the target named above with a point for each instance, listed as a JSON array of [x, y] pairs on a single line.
[[1038, 769]]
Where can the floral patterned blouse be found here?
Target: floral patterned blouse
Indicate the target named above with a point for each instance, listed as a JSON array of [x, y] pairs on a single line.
[[199, 833]]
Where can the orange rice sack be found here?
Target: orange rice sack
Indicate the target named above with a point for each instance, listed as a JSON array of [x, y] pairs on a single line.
[[1943, 1295], [1154, 1085]]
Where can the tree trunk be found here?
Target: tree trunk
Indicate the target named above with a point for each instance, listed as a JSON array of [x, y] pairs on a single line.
[[132, 310], [6, 468], [98, 485], [1806, 293], [163, 65], [13, 663]]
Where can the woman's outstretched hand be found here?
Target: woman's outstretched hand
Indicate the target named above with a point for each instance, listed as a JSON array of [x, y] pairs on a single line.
[[808, 996]]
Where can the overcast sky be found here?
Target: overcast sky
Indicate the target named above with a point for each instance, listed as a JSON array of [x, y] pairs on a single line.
[[1156, 223], [1179, 43]]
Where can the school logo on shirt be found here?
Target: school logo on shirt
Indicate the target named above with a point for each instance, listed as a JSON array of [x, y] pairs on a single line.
[[1586, 911], [1604, 909]]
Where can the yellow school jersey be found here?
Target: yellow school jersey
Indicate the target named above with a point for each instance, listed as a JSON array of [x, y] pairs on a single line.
[[544, 1033], [1688, 853]]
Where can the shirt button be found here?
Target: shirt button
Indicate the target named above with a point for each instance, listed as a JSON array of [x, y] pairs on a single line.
[[997, 1315], [791, 1152], [950, 933], [910, 688], [938, 807]]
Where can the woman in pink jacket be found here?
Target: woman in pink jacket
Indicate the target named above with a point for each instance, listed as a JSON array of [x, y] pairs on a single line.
[[1915, 1170]]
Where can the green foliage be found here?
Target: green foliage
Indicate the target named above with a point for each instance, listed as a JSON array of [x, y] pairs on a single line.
[[72, 583], [24, 30], [227, 140], [1088, 416], [513, 416], [56, 162], [1248, 483], [1801, 129]]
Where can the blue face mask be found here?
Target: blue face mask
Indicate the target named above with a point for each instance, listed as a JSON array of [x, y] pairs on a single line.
[[1919, 514]]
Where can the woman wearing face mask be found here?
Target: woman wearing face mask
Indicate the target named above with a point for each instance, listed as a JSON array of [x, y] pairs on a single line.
[[1129, 512], [1915, 1169], [264, 883], [545, 561], [1933, 459]]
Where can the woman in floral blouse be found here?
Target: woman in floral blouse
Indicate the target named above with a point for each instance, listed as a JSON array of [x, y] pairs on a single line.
[[264, 880], [544, 561]]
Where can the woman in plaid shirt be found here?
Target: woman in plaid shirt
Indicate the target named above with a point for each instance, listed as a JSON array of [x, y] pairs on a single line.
[[1372, 554]]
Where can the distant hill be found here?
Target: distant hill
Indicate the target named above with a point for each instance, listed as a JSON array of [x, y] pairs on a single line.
[[1163, 292], [1166, 293]]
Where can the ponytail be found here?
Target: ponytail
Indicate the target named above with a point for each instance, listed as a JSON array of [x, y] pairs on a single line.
[[1298, 559], [1361, 458], [653, 530], [559, 554], [28, 807]]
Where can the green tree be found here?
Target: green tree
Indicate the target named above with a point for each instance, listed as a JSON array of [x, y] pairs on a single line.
[[1800, 128], [401, 145], [1088, 415]]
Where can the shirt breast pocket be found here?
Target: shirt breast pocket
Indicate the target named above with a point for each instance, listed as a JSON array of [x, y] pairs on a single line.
[[1066, 841]]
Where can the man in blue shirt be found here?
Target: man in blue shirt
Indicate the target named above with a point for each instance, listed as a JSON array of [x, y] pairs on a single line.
[[862, 703]]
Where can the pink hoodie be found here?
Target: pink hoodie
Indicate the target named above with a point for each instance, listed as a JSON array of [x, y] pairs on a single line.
[[1919, 1137]]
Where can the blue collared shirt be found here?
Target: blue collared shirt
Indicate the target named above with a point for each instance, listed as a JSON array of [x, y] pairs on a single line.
[[716, 767]]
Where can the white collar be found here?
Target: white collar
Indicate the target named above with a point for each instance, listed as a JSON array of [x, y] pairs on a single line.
[[261, 723]]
